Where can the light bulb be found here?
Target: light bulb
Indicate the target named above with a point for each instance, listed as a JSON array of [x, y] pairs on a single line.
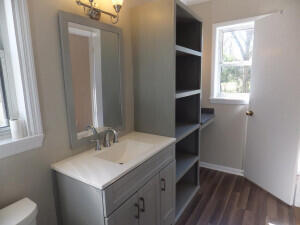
[[117, 2], [117, 5]]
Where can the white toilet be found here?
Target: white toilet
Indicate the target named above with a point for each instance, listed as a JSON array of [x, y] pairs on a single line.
[[23, 212]]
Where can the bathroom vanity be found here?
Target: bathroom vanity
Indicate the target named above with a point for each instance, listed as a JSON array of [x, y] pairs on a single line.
[[132, 182]]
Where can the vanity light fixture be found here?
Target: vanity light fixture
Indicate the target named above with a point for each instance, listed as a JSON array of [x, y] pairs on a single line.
[[95, 13]]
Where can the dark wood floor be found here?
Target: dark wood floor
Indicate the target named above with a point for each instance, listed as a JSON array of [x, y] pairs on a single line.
[[226, 199]]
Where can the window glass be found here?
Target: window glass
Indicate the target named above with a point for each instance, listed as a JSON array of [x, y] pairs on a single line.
[[237, 45], [235, 79]]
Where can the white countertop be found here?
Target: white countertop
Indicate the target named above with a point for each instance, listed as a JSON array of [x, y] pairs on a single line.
[[90, 169]]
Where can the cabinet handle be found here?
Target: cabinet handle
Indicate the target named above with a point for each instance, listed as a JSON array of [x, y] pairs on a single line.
[[143, 209], [163, 181], [137, 216]]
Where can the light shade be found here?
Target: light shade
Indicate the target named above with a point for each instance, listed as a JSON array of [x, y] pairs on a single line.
[[117, 2]]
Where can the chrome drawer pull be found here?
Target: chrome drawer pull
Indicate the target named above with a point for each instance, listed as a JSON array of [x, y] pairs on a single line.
[[163, 181], [138, 211]]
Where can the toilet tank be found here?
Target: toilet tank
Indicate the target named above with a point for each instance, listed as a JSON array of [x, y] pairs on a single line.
[[23, 212]]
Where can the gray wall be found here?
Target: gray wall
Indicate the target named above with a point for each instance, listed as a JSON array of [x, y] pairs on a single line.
[[223, 142], [28, 174]]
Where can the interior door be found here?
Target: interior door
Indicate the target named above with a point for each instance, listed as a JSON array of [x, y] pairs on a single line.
[[273, 131]]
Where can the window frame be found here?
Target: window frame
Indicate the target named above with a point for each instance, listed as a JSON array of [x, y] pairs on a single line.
[[21, 67], [3, 93], [216, 97], [7, 83]]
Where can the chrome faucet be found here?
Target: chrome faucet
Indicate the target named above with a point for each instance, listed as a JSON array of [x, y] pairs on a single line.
[[107, 137], [97, 140]]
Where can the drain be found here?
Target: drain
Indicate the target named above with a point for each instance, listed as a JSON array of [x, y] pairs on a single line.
[[121, 163]]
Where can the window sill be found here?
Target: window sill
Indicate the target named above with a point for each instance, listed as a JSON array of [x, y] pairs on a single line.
[[229, 101], [9, 147]]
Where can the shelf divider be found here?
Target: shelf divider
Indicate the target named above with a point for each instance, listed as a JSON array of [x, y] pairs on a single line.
[[184, 129], [187, 93], [183, 50]]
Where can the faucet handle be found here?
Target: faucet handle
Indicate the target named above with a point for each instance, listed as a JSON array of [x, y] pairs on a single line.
[[93, 129]]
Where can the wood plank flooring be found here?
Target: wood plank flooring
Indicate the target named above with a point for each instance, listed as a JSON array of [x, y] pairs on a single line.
[[226, 199]]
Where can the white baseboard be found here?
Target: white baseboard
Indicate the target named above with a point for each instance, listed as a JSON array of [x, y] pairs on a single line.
[[297, 193], [224, 169]]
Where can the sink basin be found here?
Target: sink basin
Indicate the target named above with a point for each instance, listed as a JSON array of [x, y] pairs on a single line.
[[124, 152]]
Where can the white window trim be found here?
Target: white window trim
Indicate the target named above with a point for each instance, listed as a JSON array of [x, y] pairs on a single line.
[[214, 98], [24, 78], [4, 131]]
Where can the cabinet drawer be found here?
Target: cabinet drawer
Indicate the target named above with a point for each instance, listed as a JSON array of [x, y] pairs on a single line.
[[127, 214], [122, 189]]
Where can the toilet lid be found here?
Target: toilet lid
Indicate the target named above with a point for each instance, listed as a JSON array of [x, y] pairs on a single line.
[[22, 212]]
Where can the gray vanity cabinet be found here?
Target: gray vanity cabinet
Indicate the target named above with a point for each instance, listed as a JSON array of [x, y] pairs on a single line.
[[144, 196], [167, 195]]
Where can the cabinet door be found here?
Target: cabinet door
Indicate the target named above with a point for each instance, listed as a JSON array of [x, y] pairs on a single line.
[[149, 202], [127, 214], [167, 195]]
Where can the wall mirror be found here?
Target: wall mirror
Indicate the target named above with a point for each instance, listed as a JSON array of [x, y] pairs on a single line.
[[91, 53]]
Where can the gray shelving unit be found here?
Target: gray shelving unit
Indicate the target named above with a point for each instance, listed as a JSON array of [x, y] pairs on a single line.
[[167, 49]]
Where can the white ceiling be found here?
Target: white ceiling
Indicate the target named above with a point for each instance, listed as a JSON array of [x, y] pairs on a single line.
[[132, 3], [193, 2]]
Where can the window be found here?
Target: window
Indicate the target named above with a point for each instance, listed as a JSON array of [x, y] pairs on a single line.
[[18, 87], [232, 61]]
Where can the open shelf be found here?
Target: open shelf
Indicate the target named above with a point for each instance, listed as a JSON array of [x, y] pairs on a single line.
[[184, 161], [188, 29], [183, 50], [187, 93], [184, 194], [186, 189], [184, 129], [188, 72], [188, 109], [187, 116]]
